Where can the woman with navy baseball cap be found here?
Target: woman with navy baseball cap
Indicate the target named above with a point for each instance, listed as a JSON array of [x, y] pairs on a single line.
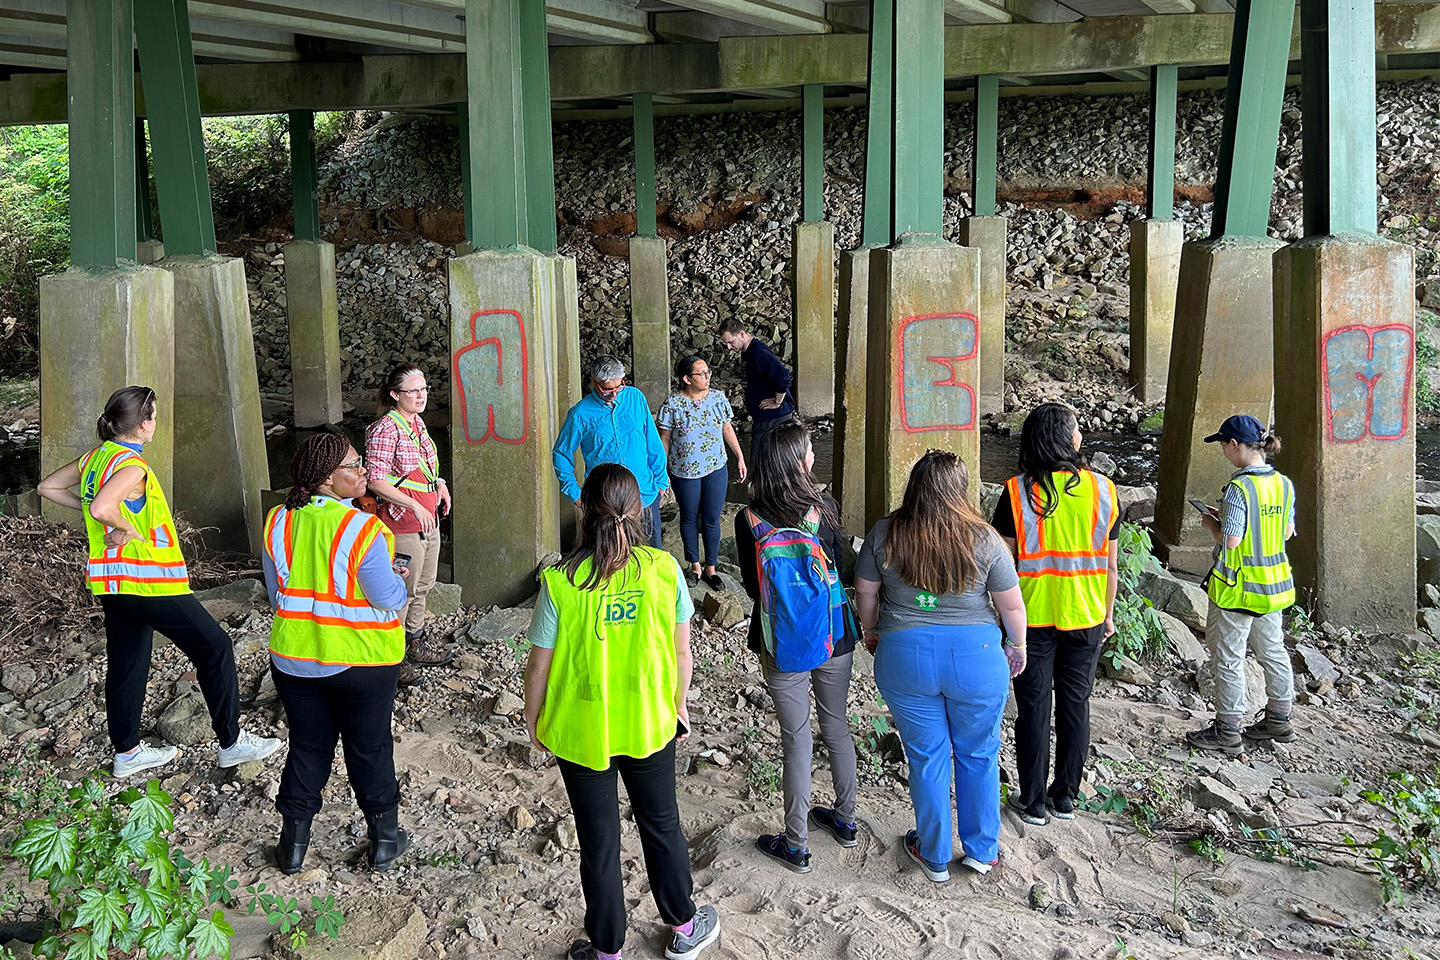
[[1249, 585]]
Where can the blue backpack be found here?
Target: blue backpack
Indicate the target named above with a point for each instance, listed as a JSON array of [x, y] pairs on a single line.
[[803, 608]]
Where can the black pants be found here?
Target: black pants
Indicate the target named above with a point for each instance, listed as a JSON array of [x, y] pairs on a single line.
[[651, 785], [130, 625], [1065, 661], [354, 707]]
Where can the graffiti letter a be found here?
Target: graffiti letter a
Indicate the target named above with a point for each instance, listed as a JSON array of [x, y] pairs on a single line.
[[492, 379], [1368, 372]]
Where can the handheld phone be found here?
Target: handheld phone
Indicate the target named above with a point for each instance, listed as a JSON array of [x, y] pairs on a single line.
[[682, 729], [1203, 507], [402, 560]]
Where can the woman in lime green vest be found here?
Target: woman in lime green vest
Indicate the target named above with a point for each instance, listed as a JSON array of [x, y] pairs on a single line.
[[1249, 586], [138, 572], [605, 689]]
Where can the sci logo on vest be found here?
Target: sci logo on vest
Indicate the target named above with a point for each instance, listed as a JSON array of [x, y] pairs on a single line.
[[926, 601], [620, 609]]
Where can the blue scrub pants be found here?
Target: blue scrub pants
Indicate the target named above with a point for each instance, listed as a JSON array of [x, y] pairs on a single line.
[[946, 687]]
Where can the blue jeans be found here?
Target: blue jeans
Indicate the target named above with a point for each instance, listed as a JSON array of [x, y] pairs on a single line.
[[651, 523], [701, 500], [946, 687]]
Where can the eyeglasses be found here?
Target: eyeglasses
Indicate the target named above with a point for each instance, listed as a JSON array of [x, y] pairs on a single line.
[[417, 392], [700, 374], [358, 465]]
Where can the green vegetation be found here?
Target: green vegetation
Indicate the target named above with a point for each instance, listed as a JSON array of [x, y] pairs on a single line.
[[1410, 856], [1139, 634], [1427, 358]]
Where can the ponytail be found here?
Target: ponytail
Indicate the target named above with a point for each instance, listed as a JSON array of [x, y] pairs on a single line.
[[1270, 445], [317, 458], [126, 409], [611, 527]]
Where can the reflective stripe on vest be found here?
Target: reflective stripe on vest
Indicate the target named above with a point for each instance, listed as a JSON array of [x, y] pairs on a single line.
[[611, 689], [431, 474], [321, 613], [1256, 575], [152, 566], [1063, 559]]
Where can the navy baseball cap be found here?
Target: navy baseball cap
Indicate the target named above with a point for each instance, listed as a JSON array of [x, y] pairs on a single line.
[[1241, 427]]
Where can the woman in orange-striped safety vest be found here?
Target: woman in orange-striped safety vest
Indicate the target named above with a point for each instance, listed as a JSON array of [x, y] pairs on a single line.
[[335, 646], [1062, 523], [138, 572]]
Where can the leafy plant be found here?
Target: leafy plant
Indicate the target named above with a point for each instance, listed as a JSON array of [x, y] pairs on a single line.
[[1208, 847], [1139, 634], [1409, 857], [1427, 358], [116, 884]]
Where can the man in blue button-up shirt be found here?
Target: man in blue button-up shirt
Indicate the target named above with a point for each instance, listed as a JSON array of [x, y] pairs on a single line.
[[612, 424]]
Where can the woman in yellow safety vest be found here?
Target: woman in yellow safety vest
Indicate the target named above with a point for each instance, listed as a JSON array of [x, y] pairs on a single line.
[[404, 473], [138, 572], [1250, 585], [605, 687], [335, 646], [1062, 523]]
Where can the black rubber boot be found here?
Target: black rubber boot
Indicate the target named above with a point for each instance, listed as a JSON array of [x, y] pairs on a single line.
[[294, 841], [387, 839]]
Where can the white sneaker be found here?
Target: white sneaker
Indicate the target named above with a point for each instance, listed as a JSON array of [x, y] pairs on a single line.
[[143, 758], [248, 747]]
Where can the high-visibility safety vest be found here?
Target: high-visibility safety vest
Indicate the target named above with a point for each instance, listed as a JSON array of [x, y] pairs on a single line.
[[151, 566], [429, 474], [611, 690], [321, 612], [1256, 576], [1063, 559]]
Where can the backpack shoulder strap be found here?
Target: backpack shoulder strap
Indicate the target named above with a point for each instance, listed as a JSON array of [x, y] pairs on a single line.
[[759, 528]]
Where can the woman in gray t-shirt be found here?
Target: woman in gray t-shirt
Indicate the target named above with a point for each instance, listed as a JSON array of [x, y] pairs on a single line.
[[924, 586]]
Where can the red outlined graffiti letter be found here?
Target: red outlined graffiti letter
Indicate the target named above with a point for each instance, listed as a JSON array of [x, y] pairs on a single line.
[[1367, 373], [934, 395], [492, 379]]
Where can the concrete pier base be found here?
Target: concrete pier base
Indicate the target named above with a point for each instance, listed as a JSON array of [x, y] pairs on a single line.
[[503, 423], [852, 331], [1221, 364], [314, 315], [100, 331], [1345, 338], [570, 382], [1154, 278], [650, 319], [924, 370], [149, 251], [813, 311], [219, 432], [988, 235]]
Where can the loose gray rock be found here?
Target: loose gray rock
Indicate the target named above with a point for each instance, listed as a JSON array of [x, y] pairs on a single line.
[[234, 598], [19, 678], [67, 689], [500, 625], [185, 722], [1189, 603], [1186, 645], [1317, 664], [1211, 794], [443, 600], [1126, 670]]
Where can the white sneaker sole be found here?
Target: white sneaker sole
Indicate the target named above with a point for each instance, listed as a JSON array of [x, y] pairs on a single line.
[[134, 767], [236, 761]]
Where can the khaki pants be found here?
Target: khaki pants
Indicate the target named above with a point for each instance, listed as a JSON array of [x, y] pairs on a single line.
[[424, 551], [1228, 634]]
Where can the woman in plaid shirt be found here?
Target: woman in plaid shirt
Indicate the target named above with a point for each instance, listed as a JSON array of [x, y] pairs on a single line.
[[404, 475]]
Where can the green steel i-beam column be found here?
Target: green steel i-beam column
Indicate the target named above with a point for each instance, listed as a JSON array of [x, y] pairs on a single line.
[[649, 288], [467, 195], [924, 343], [1345, 331], [147, 248], [218, 426], [1225, 305], [539, 144], [812, 264], [812, 153], [986, 232], [104, 322], [852, 322], [1155, 248], [496, 106], [311, 303]]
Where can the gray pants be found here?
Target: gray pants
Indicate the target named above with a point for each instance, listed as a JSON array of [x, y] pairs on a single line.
[[1227, 634], [791, 693]]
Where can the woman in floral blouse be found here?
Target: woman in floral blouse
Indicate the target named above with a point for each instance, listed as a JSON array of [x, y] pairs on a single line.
[[695, 429]]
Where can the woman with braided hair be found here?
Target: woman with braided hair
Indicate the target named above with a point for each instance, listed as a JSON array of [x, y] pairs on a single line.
[[335, 646], [138, 572]]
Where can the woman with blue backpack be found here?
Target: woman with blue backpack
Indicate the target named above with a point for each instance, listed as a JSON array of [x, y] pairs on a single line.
[[789, 544], [924, 585]]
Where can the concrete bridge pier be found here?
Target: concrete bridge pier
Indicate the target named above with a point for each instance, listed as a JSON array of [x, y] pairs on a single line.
[[812, 262], [311, 304], [649, 285], [986, 232], [1155, 244]]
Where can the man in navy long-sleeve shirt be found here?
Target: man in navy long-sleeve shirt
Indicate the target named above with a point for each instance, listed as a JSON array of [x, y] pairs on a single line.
[[767, 380]]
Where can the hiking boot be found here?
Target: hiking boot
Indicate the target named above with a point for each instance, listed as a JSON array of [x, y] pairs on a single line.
[[1219, 737], [247, 748], [1267, 726], [422, 653], [1062, 808], [826, 819], [1033, 815], [704, 930], [409, 674], [294, 841], [143, 757], [387, 838], [775, 846], [938, 872]]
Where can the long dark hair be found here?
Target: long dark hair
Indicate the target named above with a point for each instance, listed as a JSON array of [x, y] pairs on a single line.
[[782, 491], [126, 409], [1047, 445], [317, 458], [932, 536], [384, 403], [610, 529]]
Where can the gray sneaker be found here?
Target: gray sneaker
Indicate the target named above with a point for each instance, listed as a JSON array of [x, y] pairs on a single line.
[[248, 747], [143, 758], [706, 930]]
